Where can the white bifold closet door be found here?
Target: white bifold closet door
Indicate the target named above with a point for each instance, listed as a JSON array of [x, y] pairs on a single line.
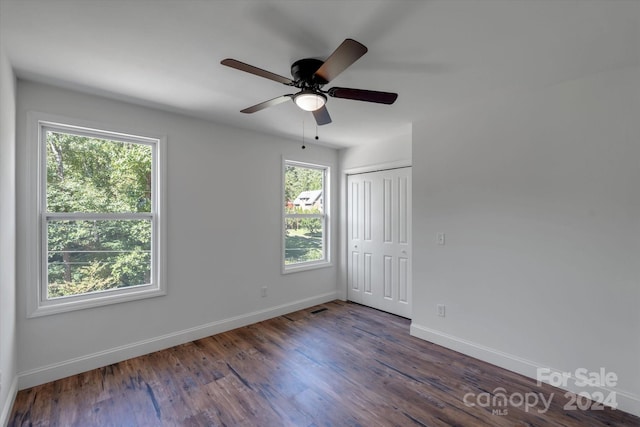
[[379, 240]]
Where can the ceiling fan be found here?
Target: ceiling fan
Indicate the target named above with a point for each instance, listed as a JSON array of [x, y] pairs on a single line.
[[310, 75]]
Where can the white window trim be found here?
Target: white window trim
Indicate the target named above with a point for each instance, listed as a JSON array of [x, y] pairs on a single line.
[[37, 304], [309, 265]]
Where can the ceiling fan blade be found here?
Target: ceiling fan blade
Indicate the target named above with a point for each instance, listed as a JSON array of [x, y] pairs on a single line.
[[233, 63], [267, 104], [322, 116], [363, 95], [345, 55]]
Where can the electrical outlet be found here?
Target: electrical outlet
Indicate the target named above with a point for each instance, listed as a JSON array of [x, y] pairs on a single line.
[[441, 310], [264, 292]]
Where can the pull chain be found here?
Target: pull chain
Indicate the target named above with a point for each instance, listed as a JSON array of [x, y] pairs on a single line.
[[316, 137]]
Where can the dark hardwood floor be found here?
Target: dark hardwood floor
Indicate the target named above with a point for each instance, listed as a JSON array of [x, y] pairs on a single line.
[[337, 364]]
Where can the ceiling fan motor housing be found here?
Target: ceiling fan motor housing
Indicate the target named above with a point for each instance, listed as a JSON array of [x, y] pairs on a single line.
[[303, 72]]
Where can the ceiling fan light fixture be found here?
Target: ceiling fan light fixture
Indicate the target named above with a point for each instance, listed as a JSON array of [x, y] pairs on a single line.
[[309, 100]]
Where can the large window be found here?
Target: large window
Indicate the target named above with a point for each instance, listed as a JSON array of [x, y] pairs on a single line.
[[305, 216], [99, 224]]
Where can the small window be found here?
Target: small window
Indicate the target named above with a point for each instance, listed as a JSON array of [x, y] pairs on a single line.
[[305, 216], [99, 217]]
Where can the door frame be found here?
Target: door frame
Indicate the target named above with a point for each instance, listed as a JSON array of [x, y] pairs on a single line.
[[344, 212]]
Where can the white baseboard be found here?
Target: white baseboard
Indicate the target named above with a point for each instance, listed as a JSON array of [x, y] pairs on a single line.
[[88, 362], [8, 403], [627, 402]]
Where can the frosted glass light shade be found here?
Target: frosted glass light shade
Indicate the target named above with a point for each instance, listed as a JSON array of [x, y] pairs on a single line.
[[310, 101]]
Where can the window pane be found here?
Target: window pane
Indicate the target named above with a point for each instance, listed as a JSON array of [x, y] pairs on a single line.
[[86, 174], [303, 240], [303, 190], [91, 256]]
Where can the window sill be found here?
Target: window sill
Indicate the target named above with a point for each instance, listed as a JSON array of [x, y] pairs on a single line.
[[63, 305], [295, 268]]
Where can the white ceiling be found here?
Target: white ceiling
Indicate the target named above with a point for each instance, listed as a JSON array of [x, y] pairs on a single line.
[[438, 55]]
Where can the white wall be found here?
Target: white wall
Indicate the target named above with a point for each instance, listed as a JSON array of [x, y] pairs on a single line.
[[224, 221], [539, 197], [373, 155], [8, 355]]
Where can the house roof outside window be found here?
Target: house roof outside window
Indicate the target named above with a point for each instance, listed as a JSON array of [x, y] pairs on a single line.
[[308, 199]]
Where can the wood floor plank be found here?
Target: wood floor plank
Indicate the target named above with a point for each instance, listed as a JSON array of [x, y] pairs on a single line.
[[337, 364]]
